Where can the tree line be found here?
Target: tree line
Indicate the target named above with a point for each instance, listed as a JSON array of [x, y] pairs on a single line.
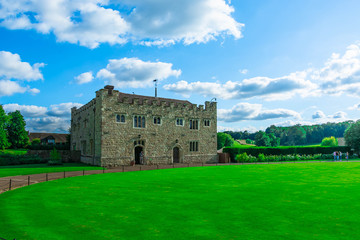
[[12, 130], [294, 135]]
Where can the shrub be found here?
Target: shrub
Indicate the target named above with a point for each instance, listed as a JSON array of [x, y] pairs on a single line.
[[329, 141], [261, 157], [243, 157], [55, 158]]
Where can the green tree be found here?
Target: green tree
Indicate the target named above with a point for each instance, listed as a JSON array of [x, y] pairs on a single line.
[[4, 143], [262, 139], [352, 136], [224, 140], [274, 141], [329, 141], [18, 137], [36, 141]]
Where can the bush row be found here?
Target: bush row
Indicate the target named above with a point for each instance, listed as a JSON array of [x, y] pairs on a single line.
[[10, 159], [243, 157], [49, 147], [288, 150]]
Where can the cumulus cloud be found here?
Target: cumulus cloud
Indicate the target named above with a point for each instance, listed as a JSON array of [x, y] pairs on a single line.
[[26, 110], [92, 22], [85, 77], [133, 72], [11, 67], [62, 109], [269, 88], [48, 124], [55, 118], [321, 117], [248, 111], [13, 71], [318, 114]]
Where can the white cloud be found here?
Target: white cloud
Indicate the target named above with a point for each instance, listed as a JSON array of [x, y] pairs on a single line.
[[56, 118], [85, 77], [243, 71], [62, 109], [247, 111], [318, 114], [340, 75], [26, 110], [48, 124], [250, 129], [8, 88], [268, 88], [11, 67], [133, 72], [92, 22]]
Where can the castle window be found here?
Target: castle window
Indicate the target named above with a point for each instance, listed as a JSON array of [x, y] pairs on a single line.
[[120, 118], [157, 120], [179, 122], [194, 124], [194, 146], [139, 122], [206, 122]]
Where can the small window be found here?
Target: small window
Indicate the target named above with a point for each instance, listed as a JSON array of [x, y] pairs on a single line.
[[157, 120], [194, 124], [206, 122], [179, 122], [120, 118], [139, 122], [194, 146]]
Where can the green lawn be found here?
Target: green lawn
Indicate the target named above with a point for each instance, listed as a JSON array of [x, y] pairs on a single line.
[[275, 201], [15, 170]]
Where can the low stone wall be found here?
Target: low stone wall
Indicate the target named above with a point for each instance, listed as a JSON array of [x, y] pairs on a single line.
[[66, 155]]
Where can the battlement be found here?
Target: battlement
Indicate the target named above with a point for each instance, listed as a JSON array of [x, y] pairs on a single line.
[[91, 104], [133, 99]]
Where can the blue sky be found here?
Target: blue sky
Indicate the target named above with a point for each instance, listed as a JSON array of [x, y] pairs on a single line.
[[267, 62]]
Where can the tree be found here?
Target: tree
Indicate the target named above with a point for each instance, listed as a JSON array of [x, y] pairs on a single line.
[[274, 141], [4, 143], [329, 142], [262, 139], [224, 140], [18, 137], [352, 136]]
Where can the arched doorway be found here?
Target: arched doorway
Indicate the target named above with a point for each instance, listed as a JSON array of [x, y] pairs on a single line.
[[176, 155], [138, 159]]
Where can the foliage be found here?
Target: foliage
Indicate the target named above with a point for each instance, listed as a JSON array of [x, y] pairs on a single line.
[[329, 141], [4, 143], [224, 140], [284, 150], [36, 141], [18, 137], [352, 136], [55, 158], [299, 134], [249, 141], [266, 140], [243, 157], [11, 159]]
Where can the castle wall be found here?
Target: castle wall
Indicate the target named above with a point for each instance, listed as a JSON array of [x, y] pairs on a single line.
[[158, 140]]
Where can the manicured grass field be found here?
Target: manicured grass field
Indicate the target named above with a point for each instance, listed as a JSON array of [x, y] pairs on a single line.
[[15, 170], [274, 201]]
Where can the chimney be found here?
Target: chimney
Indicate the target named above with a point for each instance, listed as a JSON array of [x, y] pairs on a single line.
[[109, 88]]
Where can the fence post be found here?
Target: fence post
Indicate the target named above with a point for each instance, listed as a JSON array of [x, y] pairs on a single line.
[[103, 170], [64, 174], [140, 168], [157, 166], [10, 185], [47, 178], [83, 172], [28, 180], [123, 168]]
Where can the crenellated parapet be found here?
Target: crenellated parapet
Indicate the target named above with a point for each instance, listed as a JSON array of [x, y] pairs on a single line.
[[89, 105]]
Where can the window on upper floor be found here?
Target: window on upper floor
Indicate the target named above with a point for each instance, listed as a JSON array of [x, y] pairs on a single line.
[[194, 146], [179, 122], [139, 121], [194, 124], [120, 118], [207, 122], [157, 120]]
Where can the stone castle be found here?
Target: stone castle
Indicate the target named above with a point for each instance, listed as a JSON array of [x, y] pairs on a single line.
[[116, 129]]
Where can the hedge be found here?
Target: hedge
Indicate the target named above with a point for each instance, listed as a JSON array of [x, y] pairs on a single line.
[[10, 159], [285, 150], [49, 147]]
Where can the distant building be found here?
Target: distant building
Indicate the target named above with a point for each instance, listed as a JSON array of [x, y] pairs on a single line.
[[116, 129], [49, 138]]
